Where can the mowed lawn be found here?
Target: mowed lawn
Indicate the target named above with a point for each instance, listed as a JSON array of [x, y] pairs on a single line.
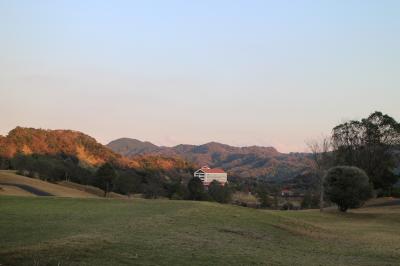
[[66, 231]]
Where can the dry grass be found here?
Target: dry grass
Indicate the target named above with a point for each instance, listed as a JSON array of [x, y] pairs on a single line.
[[10, 177], [244, 197], [91, 189], [9, 190]]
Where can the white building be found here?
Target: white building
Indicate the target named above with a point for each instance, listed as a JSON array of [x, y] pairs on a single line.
[[207, 175]]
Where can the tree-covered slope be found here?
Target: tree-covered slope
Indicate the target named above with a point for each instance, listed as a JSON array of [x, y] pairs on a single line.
[[244, 162]]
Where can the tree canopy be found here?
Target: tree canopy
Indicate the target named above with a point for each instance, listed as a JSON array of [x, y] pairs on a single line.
[[106, 176], [369, 144], [347, 186]]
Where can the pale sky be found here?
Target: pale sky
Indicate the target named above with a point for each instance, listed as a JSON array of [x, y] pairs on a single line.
[[272, 73]]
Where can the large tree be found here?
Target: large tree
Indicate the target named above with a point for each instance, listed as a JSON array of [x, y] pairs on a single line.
[[369, 144], [106, 176], [347, 186]]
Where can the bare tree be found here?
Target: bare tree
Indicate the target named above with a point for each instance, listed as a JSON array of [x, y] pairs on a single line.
[[321, 155]]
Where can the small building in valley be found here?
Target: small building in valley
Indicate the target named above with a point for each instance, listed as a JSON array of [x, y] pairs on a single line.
[[287, 193], [207, 175]]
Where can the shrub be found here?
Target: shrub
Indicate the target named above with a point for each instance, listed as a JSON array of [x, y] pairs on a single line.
[[196, 189], [310, 201], [152, 190], [287, 206], [263, 196], [347, 186], [176, 190], [219, 193]]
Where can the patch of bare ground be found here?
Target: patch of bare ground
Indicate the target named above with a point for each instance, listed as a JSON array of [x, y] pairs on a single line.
[[245, 234]]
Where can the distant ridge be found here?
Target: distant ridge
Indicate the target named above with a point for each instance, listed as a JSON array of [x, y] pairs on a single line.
[[129, 147], [243, 162]]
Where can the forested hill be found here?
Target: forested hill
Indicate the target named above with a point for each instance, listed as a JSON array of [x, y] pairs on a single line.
[[28, 141], [242, 162], [89, 152]]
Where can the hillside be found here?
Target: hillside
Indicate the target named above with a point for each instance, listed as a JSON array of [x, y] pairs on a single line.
[[130, 147], [253, 161], [31, 141], [164, 232], [13, 184], [52, 142]]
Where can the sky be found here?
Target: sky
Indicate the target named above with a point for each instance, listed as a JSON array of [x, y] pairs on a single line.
[[270, 73]]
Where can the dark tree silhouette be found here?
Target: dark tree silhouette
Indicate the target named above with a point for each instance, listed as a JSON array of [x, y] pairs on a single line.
[[219, 193], [196, 189], [106, 176], [369, 144], [347, 186]]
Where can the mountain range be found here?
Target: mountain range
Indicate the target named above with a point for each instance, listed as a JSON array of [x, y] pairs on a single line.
[[240, 162]]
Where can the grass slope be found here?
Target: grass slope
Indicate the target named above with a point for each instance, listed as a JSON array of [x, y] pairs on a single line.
[[66, 231], [11, 178], [90, 189]]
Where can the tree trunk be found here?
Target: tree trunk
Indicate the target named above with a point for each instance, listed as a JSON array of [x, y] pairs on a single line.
[[321, 199], [106, 190], [321, 194]]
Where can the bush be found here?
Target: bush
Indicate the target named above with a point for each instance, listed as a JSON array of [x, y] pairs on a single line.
[[287, 206], [219, 193], [126, 183], [176, 190], [347, 186], [152, 190], [263, 196], [196, 189], [310, 201]]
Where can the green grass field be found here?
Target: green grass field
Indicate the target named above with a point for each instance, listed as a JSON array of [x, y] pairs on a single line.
[[66, 231]]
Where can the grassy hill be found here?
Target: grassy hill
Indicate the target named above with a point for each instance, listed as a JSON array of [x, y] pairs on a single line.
[[52, 142], [17, 185], [62, 231], [10, 181]]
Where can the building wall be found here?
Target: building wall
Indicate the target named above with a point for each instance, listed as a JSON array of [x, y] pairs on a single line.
[[220, 177], [200, 175]]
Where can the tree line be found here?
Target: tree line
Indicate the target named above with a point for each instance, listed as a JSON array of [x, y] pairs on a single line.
[[150, 182], [359, 160]]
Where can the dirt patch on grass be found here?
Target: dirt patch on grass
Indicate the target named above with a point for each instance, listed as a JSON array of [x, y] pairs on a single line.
[[245, 234]]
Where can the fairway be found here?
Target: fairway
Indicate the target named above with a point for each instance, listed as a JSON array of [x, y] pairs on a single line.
[[63, 231]]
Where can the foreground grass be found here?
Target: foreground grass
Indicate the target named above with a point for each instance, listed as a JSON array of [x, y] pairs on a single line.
[[61, 231]]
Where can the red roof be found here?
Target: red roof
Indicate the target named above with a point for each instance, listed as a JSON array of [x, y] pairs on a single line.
[[212, 170]]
